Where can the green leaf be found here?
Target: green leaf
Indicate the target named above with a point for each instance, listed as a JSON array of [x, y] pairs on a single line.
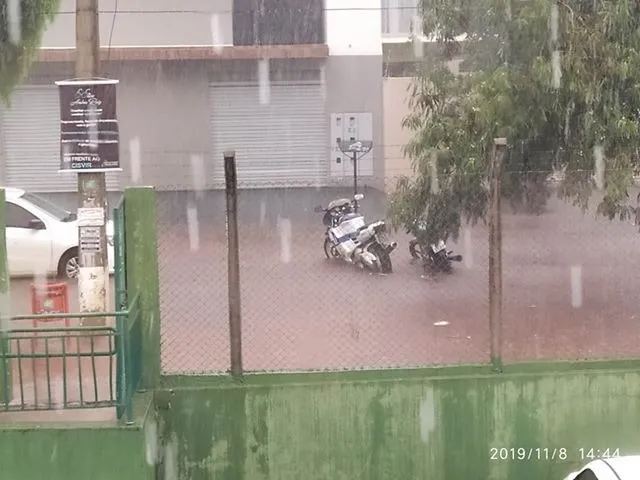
[[15, 57]]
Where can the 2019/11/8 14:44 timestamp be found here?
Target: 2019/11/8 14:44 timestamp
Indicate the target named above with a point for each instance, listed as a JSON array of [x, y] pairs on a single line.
[[552, 454], [594, 453]]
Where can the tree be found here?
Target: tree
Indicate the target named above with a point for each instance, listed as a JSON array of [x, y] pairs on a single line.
[[561, 81], [22, 23]]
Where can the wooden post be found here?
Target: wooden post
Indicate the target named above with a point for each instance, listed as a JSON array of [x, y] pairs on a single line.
[[235, 318], [495, 253]]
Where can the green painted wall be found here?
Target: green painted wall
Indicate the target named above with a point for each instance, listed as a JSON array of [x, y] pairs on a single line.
[[5, 306], [79, 451], [428, 424], [142, 273], [73, 454]]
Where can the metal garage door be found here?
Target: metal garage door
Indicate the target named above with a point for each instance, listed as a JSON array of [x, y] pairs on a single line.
[[30, 142], [281, 143]]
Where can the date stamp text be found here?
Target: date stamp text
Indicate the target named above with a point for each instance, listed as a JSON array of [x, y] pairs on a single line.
[[521, 453], [550, 453]]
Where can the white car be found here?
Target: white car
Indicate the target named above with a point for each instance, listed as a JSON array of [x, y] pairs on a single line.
[[617, 468], [42, 238]]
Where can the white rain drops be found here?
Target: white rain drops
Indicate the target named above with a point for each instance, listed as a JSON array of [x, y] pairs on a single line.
[[556, 68], [433, 167], [416, 40], [323, 81], [598, 167], [427, 415], [58, 394], [171, 459], [193, 226], [93, 116], [264, 81], [5, 312], [284, 225], [468, 250], [263, 212], [216, 29], [151, 442], [14, 16], [576, 286], [198, 174], [134, 159]]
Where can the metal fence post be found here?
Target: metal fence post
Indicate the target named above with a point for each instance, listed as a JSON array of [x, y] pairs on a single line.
[[235, 325], [495, 254]]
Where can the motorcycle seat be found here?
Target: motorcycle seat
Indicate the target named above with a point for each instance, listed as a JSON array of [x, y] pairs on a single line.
[[338, 203]]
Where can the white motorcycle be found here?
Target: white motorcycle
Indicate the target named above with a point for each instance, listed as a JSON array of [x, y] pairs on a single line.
[[350, 239]]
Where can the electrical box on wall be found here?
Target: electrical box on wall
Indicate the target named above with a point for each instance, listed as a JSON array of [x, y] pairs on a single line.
[[350, 126]]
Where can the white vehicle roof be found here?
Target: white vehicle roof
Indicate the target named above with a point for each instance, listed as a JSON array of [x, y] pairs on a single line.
[[13, 193], [618, 468]]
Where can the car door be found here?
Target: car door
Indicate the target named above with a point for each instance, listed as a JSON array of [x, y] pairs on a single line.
[[28, 248]]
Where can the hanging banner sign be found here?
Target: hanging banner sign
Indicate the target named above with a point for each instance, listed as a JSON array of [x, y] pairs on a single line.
[[89, 134]]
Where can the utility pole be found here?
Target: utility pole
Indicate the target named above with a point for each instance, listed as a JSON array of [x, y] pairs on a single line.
[[93, 275], [495, 253]]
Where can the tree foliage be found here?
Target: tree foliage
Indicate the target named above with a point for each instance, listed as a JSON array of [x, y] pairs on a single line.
[[20, 38], [560, 80]]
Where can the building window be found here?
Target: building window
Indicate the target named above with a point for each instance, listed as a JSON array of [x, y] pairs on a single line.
[[278, 22], [398, 17]]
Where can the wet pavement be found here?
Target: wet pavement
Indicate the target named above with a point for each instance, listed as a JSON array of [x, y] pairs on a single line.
[[569, 280]]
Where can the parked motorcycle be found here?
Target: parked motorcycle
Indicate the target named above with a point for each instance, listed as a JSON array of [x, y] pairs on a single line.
[[435, 257], [349, 238]]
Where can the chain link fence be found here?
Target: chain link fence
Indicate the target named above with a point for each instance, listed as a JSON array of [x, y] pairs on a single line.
[[568, 284], [569, 281], [301, 311]]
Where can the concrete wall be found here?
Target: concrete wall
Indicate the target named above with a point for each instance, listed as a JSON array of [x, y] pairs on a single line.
[[142, 23], [163, 109], [400, 425], [354, 84], [395, 98], [395, 107]]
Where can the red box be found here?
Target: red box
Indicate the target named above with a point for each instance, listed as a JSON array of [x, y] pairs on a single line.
[[49, 298]]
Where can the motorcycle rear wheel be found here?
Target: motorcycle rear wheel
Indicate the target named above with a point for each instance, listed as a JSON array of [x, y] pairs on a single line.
[[383, 257], [413, 249]]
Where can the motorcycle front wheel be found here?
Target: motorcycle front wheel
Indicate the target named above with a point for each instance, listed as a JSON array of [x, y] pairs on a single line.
[[383, 257], [329, 250]]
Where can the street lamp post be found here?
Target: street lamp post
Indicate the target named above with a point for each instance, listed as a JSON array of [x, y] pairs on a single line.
[[353, 148]]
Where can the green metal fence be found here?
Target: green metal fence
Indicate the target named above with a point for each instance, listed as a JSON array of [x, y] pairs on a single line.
[[72, 367], [75, 367], [58, 368], [129, 359]]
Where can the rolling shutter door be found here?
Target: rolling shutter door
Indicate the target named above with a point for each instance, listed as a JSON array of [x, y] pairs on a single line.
[[281, 143], [30, 139]]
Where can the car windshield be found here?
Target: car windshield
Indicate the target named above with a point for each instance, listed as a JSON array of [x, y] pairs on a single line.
[[49, 207]]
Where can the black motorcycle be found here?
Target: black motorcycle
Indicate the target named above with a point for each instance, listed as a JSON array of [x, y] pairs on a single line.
[[435, 257]]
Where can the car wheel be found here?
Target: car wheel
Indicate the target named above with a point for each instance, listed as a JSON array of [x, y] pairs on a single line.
[[69, 265]]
